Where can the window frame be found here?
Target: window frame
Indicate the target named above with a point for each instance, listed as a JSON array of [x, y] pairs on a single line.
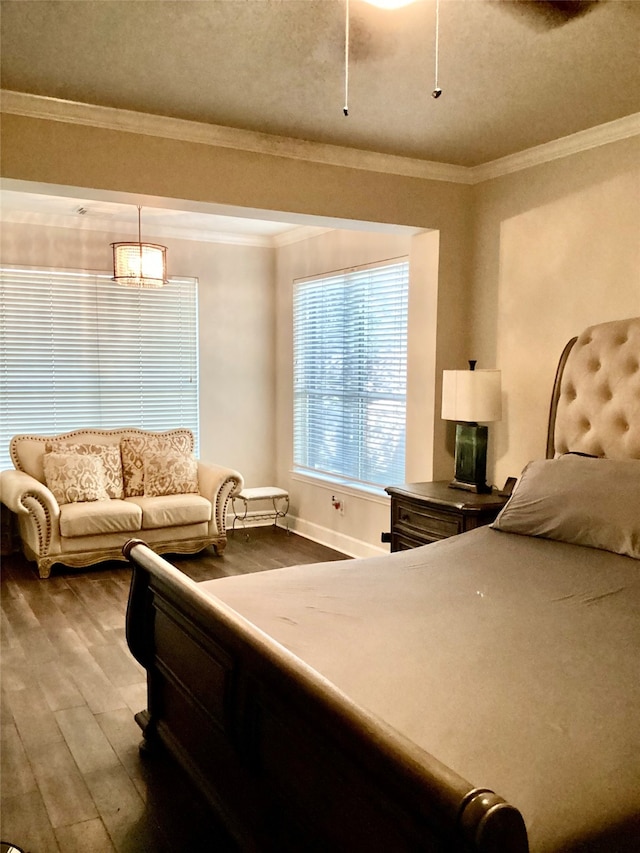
[[341, 278]]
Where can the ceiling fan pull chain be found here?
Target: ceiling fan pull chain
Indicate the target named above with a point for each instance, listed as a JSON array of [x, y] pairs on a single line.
[[345, 109], [436, 90]]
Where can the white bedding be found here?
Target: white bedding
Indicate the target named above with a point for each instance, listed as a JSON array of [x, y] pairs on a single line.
[[514, 660]]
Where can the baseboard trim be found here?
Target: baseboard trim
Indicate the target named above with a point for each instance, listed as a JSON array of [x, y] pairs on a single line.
[[316, 533], [333, 539]]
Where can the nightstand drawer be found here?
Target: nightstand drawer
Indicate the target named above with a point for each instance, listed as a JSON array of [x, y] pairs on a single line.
[[424, 523], [403, 542]]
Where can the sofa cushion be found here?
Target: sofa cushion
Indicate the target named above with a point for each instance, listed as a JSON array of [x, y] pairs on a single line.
[[89, 519], [134, 447], [73, 478], [171, 473], [172, 510], [108, 453]]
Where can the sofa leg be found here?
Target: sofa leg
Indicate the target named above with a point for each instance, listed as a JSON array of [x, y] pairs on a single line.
[[44, 568]]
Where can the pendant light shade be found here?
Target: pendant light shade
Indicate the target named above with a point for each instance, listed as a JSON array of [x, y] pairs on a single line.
[[139, 264], [389, 4]]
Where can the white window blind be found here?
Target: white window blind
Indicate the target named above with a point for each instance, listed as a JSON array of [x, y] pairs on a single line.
[[350, 367], [77, 350]]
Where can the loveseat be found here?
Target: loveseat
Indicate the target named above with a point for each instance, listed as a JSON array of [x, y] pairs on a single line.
[[81, 495]]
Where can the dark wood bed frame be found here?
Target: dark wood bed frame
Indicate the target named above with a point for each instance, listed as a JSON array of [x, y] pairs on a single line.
[[287, 760]]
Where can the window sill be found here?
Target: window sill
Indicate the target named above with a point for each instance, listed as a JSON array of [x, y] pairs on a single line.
[[376, 494]]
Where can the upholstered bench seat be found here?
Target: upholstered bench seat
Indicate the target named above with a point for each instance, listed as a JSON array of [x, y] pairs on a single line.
[[132, 514], [172, 510], [97, 517], [279, 504]]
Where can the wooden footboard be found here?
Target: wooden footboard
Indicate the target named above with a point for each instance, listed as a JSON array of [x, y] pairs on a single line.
[[287, 760]]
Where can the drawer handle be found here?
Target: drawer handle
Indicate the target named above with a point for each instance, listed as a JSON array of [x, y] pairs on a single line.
[[405, 517]]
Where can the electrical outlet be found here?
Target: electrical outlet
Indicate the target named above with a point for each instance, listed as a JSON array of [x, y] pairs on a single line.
[[337, 502]]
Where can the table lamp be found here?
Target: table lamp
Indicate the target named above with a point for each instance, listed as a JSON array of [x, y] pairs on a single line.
[[469, 396]]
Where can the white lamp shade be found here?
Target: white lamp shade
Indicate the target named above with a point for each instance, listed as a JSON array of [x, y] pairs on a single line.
[[471, 395]]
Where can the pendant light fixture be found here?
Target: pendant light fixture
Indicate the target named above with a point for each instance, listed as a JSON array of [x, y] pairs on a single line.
[[139, 264], [389, 4]]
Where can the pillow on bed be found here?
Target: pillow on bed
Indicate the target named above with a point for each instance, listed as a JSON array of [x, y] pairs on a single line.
[[577, 499]]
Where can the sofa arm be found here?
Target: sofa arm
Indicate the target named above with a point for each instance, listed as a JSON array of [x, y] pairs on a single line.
[[35, 506], [218, 484]]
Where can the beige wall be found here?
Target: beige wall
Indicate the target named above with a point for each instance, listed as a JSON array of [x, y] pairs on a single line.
[[56, 153], [236, 330], [556, 248], [53, 152], [523, 262], [365, 517]]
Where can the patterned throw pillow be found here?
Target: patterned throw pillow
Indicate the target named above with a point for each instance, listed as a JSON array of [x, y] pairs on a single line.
[[170, 473], [132, 449], [108, 453], [73, 477]]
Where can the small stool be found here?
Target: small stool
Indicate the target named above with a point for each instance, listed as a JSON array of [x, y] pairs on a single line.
[[278, 497]]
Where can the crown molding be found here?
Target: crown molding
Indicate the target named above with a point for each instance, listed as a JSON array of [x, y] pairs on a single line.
[[129, 121], [583, 140], [296, 235], [110, 118]]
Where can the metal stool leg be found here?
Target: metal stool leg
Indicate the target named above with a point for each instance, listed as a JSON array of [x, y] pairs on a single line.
[[242, 518], [280, 513]]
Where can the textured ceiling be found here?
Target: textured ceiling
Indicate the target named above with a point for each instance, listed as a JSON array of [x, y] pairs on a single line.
[[514, 73]]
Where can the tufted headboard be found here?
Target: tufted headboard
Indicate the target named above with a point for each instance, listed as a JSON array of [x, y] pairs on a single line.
[[595, 406]]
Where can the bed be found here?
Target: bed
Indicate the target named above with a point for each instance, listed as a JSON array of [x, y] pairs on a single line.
[[481, 693]]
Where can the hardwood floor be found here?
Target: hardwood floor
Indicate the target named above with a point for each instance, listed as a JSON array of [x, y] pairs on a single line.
[[72, 778]]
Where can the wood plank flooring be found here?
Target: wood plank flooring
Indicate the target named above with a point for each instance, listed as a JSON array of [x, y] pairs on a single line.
[[72, 778]]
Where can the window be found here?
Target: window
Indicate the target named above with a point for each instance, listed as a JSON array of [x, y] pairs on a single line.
[[78, 350], [350, 367]]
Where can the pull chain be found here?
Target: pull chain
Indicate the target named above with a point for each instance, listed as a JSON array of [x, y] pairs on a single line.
[[345, 109], [437, 91]]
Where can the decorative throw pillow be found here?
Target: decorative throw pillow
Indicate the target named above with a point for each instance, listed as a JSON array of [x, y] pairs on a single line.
[[73, 477], [170, 473], [577, 499], [108, 453], [132, 449]]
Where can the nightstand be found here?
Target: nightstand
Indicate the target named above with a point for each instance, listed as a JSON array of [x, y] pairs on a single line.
[[425, 512]]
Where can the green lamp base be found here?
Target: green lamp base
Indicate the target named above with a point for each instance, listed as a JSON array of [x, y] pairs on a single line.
[[471, 458]]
